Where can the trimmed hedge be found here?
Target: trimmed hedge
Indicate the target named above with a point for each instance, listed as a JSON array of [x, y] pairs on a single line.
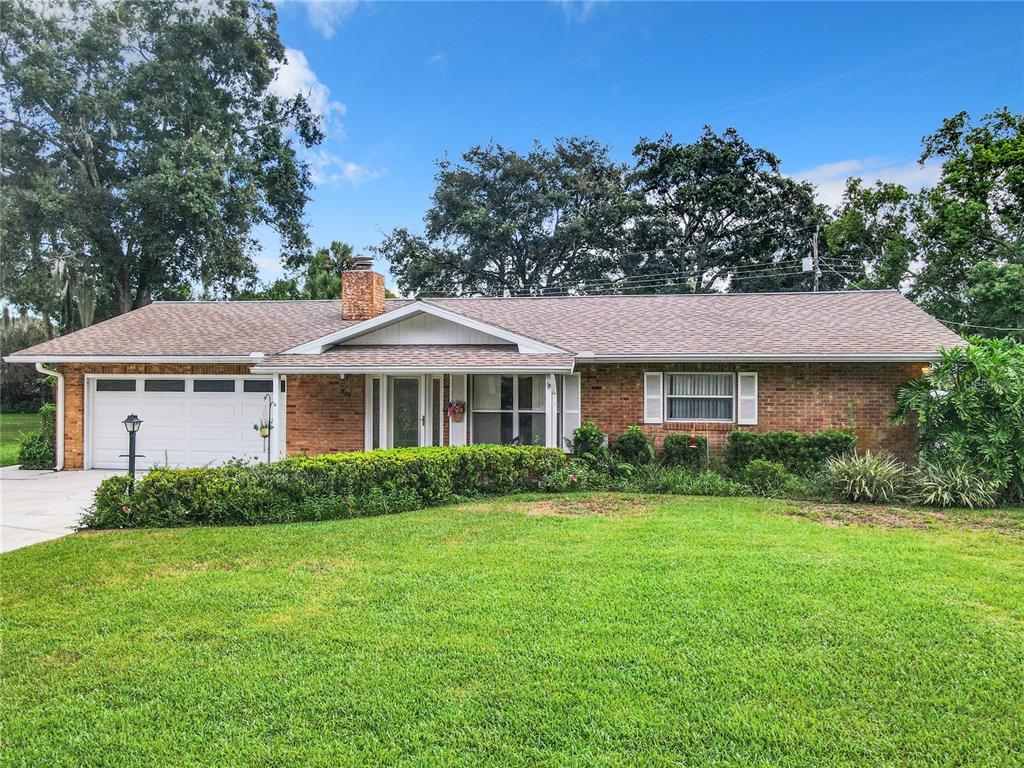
[[802, 454], [333, 486]]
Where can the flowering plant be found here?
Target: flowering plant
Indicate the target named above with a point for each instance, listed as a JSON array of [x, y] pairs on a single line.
[[455, 409]]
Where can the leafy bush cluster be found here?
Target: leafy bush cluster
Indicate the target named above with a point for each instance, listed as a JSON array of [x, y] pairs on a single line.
[[801, 454], [39, 451], [880, 477], [679, 453], [321, 487], [821, 465], [634, 447], [970, 413], [871, 476]]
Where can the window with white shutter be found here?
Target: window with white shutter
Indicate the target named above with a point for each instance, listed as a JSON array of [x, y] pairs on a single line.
[[746, 398], [653, 398]]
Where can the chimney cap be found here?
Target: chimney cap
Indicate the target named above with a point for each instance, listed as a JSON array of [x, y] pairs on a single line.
[[364, 263]]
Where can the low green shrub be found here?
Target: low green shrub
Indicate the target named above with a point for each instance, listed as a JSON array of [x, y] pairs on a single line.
[[321, 487], [802, 454], [766, 478], [678, 452], [869, 477], [951, 485], [634, 447], [658, 478], [39, 451], [742, 448], [577, 475], [587, 438]]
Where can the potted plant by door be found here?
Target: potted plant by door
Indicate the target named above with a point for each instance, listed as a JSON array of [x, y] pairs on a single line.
[[455, 410]]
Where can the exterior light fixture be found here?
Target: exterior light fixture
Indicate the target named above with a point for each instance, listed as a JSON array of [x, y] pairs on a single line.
[[131, 425]]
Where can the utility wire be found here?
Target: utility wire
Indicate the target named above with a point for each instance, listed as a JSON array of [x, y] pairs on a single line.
[[985, 327]]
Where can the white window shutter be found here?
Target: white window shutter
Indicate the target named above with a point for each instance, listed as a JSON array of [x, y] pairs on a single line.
[[571, 411], [746, 398], [653, 398]]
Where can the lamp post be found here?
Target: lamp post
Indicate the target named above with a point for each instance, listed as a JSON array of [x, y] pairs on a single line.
[[131, 424]]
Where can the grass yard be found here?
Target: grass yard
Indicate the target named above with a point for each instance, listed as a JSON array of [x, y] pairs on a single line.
[[525, 631], [15, 427]]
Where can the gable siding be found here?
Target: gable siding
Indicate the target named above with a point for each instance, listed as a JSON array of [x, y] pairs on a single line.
[[425, 329]]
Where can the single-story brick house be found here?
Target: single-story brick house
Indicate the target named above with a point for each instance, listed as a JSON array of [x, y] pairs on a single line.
[[366, 372]]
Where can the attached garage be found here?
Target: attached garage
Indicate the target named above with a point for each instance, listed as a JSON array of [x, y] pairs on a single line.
[[188, 421]]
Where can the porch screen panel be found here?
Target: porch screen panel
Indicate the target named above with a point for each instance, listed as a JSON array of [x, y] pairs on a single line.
[[509, 407]]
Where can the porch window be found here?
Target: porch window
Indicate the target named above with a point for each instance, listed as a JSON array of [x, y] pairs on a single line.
[[506, 407], [700, 396]]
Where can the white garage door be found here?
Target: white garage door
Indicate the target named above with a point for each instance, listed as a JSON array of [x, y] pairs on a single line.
[[186, 422]]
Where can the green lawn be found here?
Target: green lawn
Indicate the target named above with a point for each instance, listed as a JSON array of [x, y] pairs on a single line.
[[672, 631], [15, 427]]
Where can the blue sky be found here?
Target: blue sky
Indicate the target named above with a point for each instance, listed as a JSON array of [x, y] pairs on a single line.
[[833, 89]]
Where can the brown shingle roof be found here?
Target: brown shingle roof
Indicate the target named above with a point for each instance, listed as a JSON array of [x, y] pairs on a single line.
[[204, 328], [784, 324], [841, 323], [421, 357]]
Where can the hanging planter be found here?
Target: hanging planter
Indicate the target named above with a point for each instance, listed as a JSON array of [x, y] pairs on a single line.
[[455, 410]]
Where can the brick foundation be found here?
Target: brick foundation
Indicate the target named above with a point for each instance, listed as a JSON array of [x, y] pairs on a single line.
[[804, 397]]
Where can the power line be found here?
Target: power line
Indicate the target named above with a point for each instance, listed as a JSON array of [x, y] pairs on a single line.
[[635, 281], [985, 327]]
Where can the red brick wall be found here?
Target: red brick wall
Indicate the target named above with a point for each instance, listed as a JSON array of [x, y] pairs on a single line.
[[804, 397], [325, 414], [74, 396]]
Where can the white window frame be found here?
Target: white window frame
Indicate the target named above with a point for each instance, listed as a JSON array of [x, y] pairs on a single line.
[[541, 411], [732, 398]]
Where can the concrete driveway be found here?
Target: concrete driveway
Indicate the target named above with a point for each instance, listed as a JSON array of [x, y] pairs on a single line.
[[37, 504]]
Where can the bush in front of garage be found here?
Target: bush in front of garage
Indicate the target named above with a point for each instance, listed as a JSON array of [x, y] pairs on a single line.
[[39, 451], [320, 487]]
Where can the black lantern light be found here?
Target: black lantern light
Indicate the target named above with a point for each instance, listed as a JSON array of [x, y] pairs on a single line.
[[131, 425]]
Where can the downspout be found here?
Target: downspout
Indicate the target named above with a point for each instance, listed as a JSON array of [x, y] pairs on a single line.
[[59, 419]]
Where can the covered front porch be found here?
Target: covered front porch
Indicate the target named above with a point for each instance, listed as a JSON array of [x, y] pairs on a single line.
[[361, 398]]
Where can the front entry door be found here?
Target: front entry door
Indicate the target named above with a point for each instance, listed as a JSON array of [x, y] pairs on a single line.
[[405, 411]]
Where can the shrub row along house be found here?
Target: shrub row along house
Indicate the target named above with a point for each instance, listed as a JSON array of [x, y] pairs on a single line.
[[364, 372]]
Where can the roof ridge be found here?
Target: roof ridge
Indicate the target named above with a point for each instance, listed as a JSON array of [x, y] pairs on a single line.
[[664, 295], [253, 301]]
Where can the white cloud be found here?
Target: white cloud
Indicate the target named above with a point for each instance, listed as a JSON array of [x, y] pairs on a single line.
[[296, 76], [327, 168], [829, 179], [327, 15], [437, 59], [576, 10]]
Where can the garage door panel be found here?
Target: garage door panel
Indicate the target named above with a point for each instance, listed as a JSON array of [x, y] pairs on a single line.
[[180, 429]]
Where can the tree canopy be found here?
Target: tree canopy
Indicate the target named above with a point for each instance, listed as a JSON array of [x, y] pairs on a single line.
[[502, 222], [142, 144]]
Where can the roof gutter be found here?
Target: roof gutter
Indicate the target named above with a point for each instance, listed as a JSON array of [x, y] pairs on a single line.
[[59, 419], [901, 357], [151, 359]]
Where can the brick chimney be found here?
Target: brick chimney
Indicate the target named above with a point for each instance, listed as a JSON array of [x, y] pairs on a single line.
[[362, 291]]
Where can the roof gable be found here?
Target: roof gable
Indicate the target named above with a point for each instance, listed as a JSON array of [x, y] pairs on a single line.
[[446, 324]]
